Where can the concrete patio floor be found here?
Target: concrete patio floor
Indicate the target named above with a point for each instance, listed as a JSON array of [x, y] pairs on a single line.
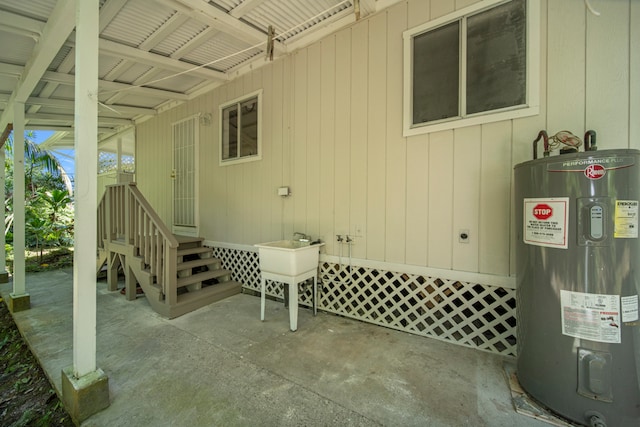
[[222, 366]]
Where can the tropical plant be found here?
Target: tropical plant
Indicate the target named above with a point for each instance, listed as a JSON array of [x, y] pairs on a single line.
[[48, 210]]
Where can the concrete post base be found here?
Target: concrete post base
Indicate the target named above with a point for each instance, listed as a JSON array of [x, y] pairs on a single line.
[[18, 303], [85, 396], [4, 277]]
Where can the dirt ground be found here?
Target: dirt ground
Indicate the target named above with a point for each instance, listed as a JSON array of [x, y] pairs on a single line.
[[27, 397]]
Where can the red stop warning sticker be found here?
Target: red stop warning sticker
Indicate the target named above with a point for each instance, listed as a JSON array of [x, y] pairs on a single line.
[[545, 222], [542, 211]]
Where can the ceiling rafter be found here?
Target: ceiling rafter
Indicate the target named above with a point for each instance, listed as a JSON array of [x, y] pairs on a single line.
[[55, 118], [107, 86], [245, 7], [12, 23], [212, 16], [54, 33]]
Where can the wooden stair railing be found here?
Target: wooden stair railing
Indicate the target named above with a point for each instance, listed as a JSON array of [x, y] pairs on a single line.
[[132, 235], [129, 226]]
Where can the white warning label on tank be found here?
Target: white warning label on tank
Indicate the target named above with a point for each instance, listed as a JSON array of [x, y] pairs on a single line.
[[545, 222], [626, 219], [629, 308], [594, 317]]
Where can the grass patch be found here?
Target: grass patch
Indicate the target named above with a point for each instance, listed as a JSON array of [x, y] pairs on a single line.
[[52, 259]]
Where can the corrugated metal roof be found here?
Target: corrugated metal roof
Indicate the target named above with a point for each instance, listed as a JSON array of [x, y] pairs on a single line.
[[151, 51], [180, 37], [136, 22]]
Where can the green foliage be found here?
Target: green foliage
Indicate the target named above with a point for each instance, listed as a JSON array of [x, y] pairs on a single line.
[[48, 204]]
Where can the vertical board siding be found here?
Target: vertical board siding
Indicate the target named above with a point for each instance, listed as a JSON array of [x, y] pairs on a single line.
[[359, 134], [495, 198], [417, 172], [332, 132], [607, 79], [467, 176], [327, 148], [566, 84], [312, 162], [396, 151], [342, 154], [374, 229], [440, 191]]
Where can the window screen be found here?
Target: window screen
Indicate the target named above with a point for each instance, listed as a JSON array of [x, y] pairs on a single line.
[[496, 58], [435, 74]]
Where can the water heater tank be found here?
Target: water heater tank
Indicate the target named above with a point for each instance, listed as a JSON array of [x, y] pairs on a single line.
[[578, 281]]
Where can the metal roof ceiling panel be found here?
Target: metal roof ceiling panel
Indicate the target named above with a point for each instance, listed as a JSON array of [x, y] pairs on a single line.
[[136, 21], [61, 56], [137, 100], [152, 53], [223, 52], [108, 66], [37, 9], [292, 18], [15, 48], [132, 71], [170, 82], [179, 38]]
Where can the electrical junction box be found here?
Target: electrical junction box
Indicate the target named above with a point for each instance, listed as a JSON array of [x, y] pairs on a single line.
[[283, 191]]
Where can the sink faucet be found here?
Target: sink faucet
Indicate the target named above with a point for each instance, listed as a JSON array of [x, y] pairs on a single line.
[[303, 237]]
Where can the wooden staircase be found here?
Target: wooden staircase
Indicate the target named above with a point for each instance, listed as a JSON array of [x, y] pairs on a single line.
[[177, 273]]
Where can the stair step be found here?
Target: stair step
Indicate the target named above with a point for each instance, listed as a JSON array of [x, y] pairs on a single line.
[[193, 300], [193, 251], [201, 277], [188, 239], [200, 262]]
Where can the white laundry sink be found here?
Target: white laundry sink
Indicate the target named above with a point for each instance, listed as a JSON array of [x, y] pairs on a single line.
[[288, 257]]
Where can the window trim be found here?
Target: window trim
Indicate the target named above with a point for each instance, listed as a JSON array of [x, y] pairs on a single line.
[[532, 105], [239, 100]]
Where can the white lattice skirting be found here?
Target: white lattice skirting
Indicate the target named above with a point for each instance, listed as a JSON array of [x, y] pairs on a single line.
[[469, 314]]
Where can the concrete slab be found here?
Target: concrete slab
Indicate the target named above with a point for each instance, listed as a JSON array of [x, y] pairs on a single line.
[[220, 365]]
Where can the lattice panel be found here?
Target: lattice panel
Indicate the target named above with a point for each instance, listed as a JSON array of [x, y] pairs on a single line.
[[243, 265], [465, 313]]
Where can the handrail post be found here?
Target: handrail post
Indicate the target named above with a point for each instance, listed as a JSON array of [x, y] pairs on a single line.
[[170, 278], [127, 215], [108, 213]]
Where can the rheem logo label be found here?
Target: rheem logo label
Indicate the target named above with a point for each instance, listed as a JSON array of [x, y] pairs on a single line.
[[594, 171], [542, 211]]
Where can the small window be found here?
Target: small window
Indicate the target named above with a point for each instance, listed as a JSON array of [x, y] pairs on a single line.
[[240, 130], [474, 66]]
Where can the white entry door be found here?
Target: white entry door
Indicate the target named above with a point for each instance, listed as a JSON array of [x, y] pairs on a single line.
[[185, 176]]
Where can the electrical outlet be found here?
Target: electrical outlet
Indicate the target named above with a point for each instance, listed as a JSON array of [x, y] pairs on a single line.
[[463, 236]]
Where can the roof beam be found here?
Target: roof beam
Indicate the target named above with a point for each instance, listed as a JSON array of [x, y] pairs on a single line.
[[56, 118], [54, 34], [107, 86], [65, 104], [12, 23], [216, 18], [245, 7], [120, 51]]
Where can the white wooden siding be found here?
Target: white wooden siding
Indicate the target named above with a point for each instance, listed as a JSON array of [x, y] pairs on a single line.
[[332, 132]]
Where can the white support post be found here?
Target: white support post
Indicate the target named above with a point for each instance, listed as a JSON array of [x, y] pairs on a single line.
[[19, 299], [85, 388], [86, 149]]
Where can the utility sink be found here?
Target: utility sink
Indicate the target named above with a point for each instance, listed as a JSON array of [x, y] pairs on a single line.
[[291, 262], [288, 257]]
